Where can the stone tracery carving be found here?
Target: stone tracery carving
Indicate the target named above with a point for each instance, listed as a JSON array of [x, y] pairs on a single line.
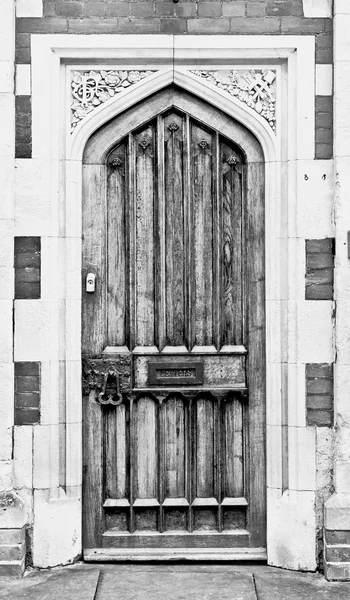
[[91, 88], [256, 88]]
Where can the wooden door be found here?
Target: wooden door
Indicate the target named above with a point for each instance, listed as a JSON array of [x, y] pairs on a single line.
[[174, 334]]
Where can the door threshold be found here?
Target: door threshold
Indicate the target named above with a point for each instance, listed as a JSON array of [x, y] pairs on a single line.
[[174, 554]]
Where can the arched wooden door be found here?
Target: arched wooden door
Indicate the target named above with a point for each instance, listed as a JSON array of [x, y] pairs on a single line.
[[173, 334]]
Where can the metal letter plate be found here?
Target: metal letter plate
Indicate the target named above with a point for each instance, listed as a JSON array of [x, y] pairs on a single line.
[[175, 373]]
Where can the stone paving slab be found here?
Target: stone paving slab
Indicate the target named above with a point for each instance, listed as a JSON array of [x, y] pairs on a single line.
[[176, 585], [277, 584], [66, 584]]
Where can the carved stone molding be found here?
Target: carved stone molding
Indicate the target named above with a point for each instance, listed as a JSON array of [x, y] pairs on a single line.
[[89, 89], [256, 88]]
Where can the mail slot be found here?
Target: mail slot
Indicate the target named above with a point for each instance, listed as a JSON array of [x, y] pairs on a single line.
[[175, 373]]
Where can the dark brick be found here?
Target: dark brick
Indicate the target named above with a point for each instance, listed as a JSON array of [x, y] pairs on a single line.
[[27, 259], [324, 136], [27, 400], [209, 9], [324, 104], [325, 245], [320, 418], [314, 402], [319, 276], [173, 25], [186, 9], [27, 368], [49, 9], [141, 9], [297, 9], [139, 25], [210, 26], [319, 385], [300, 25], [94, 9], [69, 9], [27, 383], [337, 554], [258, 26], [118, 9], [256, 9], [324, 370], [279, 9], [165, 9], [27, 275], [27, 416], [27, 291], [324, 151], [23, 106], [319, 260], [319, 292], [236, 9], [93, 25], [324, 120], [324, 56], [39, 25], [324, 40], [337, 537], [23, 56]]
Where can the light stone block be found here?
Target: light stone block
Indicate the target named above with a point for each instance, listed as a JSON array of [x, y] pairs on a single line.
[[343, 332], [6, 343], [52, 276], [274, 445], [342, 43], [7, 187], [26, 495], [6, 478], [23, 457], [38, 330], [5, 443], [315, 200], [291, 530], [324, 80], [337, 512], [73, 328], [342, 392], [6, 283], [343, 440], [341, 7], [23, 80], [7, 120], [33, 210], [302, 447], [13, 515], [46, 457], [317, 8], [29, 8], [7, 244], [7, 30], [342, 476], [342, 106], [73, 409], [273, 394], [314, 333], [296, 395], [74, 467], [6, 76], [50, 393], [57, 531]]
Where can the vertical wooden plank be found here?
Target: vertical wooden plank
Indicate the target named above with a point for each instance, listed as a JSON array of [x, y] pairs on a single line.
[[117, 246], [145, 194], [174, 229], [94, 259], [160, 268], [145, 448], [131, 216], [115, 452], [188, 231], [205, 447], [256, 360], [202, 200], [93, 492], [231, 246], [233, 449], [174, 439]]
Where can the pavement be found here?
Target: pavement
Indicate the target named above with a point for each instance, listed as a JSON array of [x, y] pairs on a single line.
[[171, 582]]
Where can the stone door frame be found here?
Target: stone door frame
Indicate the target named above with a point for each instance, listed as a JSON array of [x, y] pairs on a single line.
[[290, 481]]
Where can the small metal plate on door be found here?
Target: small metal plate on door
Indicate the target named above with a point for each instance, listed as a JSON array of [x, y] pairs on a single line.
[[175, 373]]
